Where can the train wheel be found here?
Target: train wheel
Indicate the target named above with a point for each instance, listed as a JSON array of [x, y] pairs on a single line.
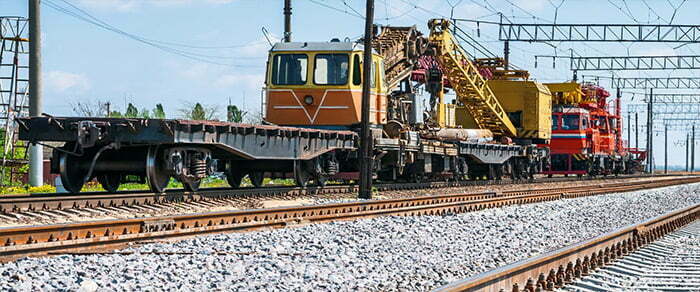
[[498, 172], [462, 172], [72, 177], [256, 178], [321, 181], [192, 186], [110, 181], [158, 177], [233, 176], [234, 179], [417, 177], [301, 175]]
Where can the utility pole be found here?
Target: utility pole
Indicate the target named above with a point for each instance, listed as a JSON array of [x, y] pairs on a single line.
[[666, 149], [636, 131], [366, 136], [287, 21], [506, 54], [692, 151], [650, 130], [36, 153], [687, 150], [629, 129]]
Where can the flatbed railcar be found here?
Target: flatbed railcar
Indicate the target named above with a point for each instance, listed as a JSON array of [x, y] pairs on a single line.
[[112, 149]]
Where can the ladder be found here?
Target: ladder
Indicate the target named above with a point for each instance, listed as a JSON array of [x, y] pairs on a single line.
[[471, 88], [14, 97]]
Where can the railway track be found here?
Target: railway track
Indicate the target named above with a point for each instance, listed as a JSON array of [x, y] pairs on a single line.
[[38, 240], [15, 208], [671, 263], [643, 245]]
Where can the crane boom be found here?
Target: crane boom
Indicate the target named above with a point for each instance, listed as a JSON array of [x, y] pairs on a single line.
[[471, 88], [400, 48]]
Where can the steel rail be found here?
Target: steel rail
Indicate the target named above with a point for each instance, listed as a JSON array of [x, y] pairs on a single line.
[[52, 201], [557, 268], [38, 240]]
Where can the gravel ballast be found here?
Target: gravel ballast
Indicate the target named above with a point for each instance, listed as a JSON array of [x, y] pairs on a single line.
[[387, 253]]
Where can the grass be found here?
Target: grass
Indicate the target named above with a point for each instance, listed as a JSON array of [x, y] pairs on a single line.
[[93, 186]]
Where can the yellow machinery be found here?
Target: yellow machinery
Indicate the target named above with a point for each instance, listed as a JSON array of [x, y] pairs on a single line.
[[566, 93], [507, 107], [471, 88], [529, 106]]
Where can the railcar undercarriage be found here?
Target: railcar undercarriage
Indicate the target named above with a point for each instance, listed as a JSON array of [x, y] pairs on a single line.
[[114, 151]]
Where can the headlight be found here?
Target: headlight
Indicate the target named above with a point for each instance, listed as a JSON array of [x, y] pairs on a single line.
[[309, 100]]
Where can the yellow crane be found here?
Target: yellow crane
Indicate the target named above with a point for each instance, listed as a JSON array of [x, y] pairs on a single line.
[[471, 88]]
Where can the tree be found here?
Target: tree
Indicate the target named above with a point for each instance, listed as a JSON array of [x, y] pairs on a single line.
[[131, 111], [234, 114], [115, 114], [158, 112], [145, 113], [199, 112], [254, 118], [90, 108]]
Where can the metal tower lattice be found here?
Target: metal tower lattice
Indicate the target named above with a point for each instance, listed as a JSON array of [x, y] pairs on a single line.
[[14, 96]]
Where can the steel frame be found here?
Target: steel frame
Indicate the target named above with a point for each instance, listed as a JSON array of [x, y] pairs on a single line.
[[660, 83], [679, 98], [599, 32], [635, 63], [667, 108]]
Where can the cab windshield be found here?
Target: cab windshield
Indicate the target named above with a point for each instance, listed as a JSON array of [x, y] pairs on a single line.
[[331, 69], [289, 69], [570, 122]]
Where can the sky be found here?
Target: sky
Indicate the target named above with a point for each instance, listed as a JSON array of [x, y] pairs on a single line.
[[214, 51]]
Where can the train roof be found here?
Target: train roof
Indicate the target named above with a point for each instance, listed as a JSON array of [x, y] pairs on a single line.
[[317, 46]]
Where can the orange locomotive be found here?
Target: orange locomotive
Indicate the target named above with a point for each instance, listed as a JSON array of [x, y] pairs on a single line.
[[319, 85], [586, 135]]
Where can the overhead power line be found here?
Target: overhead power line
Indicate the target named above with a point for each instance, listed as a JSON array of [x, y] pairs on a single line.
[[78, 13]]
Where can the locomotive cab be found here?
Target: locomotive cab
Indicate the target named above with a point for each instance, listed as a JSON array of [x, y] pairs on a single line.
[[319, 85], [570, 127]]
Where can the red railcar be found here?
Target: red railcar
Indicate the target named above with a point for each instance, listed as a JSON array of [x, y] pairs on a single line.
[[587, 136]]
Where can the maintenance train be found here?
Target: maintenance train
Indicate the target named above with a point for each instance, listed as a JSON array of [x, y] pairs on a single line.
[[498, 124]]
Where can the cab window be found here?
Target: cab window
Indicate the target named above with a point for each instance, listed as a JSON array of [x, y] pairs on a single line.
[[584, 123], [373, 76], [381, 71], [570, 122], [289, 69], [331, 69], [555, 122], [356, 72]]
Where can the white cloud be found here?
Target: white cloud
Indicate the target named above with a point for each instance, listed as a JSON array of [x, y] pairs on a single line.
[[131, 5], [64, 81], [258, 48], [236, 80], [119, 5], [216, 76]]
